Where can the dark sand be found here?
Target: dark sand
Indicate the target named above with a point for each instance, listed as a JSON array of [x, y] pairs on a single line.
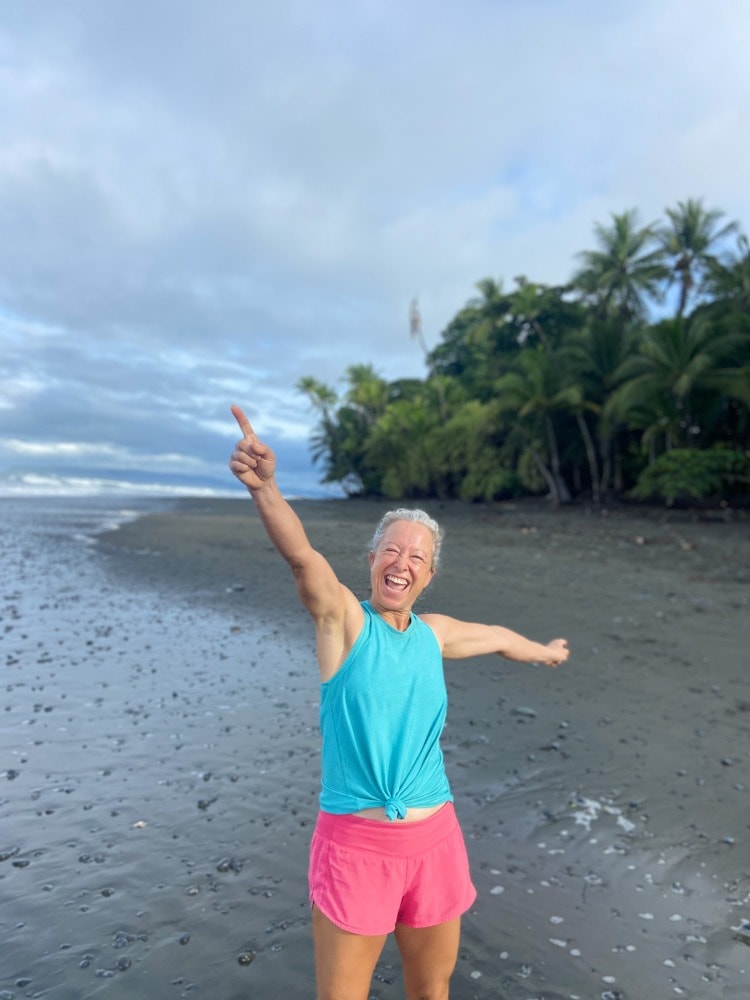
[[158, 782]]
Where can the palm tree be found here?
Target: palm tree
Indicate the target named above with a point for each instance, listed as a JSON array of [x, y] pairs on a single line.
[[468, 454], [543, 317], [478, 343], [542, 314], [688, 242], [398, 446], [534, 392], [592, 358], [327, 439], [367, 391], [729, 282], [682, 368], [491, 310], [321, 396], [323, 400], [627, 268]]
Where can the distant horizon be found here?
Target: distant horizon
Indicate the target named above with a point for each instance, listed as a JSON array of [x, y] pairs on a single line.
[[27, 485]]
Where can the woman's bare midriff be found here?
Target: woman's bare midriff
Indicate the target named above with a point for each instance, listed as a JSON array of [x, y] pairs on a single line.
[[412, 815]]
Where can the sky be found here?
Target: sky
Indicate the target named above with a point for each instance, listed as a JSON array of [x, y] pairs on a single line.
[[201, 203]]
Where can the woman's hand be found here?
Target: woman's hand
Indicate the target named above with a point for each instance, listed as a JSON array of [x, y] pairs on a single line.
[[252, 462], [558, 652]]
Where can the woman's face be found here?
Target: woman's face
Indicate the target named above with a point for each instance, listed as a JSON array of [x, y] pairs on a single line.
[[401, 566]]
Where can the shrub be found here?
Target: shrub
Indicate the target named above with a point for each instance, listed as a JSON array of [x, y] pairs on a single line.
[[691, 474]]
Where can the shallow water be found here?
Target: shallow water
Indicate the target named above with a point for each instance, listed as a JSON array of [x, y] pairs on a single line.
[[155, 790]]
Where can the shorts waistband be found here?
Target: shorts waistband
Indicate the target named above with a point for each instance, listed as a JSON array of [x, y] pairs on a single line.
[[384, 837]]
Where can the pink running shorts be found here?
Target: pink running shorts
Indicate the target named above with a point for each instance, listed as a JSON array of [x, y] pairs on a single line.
[[368, 875]]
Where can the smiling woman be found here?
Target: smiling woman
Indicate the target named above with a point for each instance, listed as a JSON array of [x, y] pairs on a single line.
[[402, 561], [387, 854], [416, 516]]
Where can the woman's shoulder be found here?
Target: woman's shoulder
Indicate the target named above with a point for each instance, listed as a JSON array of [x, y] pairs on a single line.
[[435, 621], [437, 625]]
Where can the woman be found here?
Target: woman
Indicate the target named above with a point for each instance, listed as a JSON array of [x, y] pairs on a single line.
[[387, 854]]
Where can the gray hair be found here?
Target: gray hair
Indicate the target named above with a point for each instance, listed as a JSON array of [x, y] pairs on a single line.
[[417, 516]]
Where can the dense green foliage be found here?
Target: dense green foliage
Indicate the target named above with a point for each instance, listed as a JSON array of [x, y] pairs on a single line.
[[596, 388]]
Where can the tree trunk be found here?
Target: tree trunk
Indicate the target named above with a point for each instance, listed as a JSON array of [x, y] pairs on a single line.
[[546, 474], [618, 473], [590, 455], [563, 493], [606, 455]]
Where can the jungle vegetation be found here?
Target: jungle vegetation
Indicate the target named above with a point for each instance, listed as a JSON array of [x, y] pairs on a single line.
[[630, 381]]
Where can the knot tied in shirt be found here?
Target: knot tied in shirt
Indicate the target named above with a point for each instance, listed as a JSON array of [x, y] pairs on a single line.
[[395, 809]]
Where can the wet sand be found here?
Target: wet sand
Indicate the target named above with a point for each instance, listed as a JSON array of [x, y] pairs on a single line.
[[158, 778]]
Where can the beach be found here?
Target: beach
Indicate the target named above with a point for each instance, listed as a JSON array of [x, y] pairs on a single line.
[[159, 752]]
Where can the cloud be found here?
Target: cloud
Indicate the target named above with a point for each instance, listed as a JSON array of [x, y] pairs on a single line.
[[200, 206]]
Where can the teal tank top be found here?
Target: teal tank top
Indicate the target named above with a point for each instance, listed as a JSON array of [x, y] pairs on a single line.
[[381, 716]]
